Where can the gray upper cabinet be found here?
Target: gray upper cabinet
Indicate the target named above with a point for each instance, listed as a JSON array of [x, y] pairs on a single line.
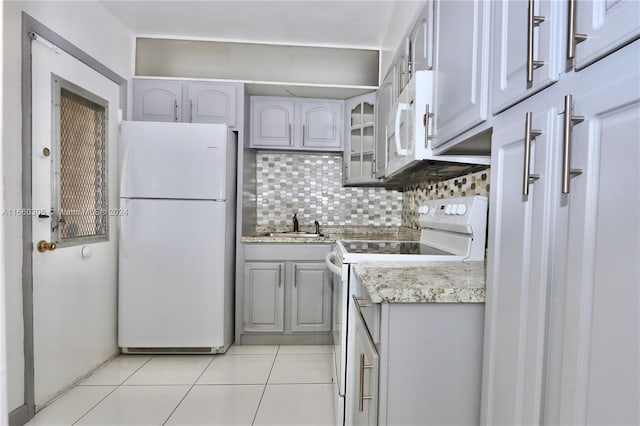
[[524, 65], [360, 147], [212, 103], [383, 108], [185, 101], [462, 67], [311, 298], [321, 125], [157, 100], [271, 122], [296, 123], [422, 40], [605, 27]]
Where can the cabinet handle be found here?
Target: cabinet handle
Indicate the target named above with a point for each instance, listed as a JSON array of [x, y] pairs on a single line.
[[532, 21], [175, 110], [356, 301], [280, 275], [573, 38], [190, 110], [569, 121], [303, 135], [425, 121], [295, 273], [289, 134], [529, 134], [361, 396]]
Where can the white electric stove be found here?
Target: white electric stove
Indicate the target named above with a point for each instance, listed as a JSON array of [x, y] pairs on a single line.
[[452, 230]]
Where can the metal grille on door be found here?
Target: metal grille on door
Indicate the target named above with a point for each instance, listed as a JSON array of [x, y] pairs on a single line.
[[81, 179]]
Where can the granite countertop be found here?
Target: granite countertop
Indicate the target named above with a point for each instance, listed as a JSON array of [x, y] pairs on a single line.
[[423, 282], [333, 234]]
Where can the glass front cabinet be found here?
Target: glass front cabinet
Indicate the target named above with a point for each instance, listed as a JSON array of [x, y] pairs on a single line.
[[360, 149]]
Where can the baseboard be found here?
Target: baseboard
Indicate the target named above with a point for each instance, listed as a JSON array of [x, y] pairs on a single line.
[[20, 416]]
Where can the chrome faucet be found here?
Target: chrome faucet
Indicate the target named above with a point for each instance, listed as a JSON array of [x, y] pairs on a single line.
[[296, 225]]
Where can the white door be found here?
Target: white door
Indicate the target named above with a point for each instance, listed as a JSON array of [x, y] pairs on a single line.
[[210, 103], [157, 100], [74, 286], [321, 124]]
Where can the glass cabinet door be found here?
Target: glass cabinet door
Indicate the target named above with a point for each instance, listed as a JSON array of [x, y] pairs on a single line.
[[360, 157]]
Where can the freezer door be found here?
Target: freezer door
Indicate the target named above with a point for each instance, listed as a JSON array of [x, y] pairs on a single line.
[[173, 160], [171, 275]]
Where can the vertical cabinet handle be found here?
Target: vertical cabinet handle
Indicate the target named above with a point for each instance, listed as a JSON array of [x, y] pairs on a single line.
[[190, 110], [289, 134], [361, 396], [569, 121], [529, 134], [573, 38], [303, 135], [175, 110], [532, 21], [295, 275], [425, 121], [280, 275]]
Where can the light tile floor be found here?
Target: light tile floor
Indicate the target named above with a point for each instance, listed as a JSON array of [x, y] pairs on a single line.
[[249, 385]]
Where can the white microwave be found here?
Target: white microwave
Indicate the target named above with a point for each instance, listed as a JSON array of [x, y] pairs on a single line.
[[409, 126]]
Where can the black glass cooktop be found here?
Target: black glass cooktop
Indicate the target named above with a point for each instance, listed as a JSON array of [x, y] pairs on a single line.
[[391, 247]]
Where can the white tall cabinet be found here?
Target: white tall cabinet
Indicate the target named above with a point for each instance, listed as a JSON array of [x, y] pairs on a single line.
[[562, 329]]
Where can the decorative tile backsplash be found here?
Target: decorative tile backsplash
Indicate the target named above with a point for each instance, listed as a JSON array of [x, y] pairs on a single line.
[[412, 197], [311, 186]]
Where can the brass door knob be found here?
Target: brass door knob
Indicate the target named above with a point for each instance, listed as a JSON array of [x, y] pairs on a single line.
[[46, 246]]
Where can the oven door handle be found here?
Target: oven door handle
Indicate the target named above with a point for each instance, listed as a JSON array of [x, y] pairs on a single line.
[[328, 260]]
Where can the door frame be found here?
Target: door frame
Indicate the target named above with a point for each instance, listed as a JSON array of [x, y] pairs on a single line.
[[31, 29]]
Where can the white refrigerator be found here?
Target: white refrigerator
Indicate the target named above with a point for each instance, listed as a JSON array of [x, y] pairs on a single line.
[[177, 237]]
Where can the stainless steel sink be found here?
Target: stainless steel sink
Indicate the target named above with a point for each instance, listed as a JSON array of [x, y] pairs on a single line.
[[294, 234]]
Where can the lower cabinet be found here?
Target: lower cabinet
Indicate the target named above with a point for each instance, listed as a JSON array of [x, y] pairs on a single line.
[[286, 295], [413, 363], [366, 365]]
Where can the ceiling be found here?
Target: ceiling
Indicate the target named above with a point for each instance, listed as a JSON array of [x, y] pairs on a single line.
[[346, 23]]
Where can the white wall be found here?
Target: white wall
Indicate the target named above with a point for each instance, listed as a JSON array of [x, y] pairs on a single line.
[[3, 341], [404, 13], [89, 26]]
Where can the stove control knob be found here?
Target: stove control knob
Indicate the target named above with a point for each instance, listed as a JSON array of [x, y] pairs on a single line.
[[425, 209], [454, 209], [447, 209], [462, 209]]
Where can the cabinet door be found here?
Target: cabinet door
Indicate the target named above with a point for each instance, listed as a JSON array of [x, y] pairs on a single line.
[[311, 298], [462, 67], [422, 40], [366, 369], [263, 297], [360, 150], [382, 109], [157, 100], [271, 122], [513, 54], [601, 369], [607, 24], [520, 252], [212, 103], [321, 125]]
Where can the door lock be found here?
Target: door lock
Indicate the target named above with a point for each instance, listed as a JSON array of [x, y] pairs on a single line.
[[46, 246]]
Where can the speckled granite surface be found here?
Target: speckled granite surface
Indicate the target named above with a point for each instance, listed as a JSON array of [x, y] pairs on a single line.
[[433, 282], [332, 234]]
